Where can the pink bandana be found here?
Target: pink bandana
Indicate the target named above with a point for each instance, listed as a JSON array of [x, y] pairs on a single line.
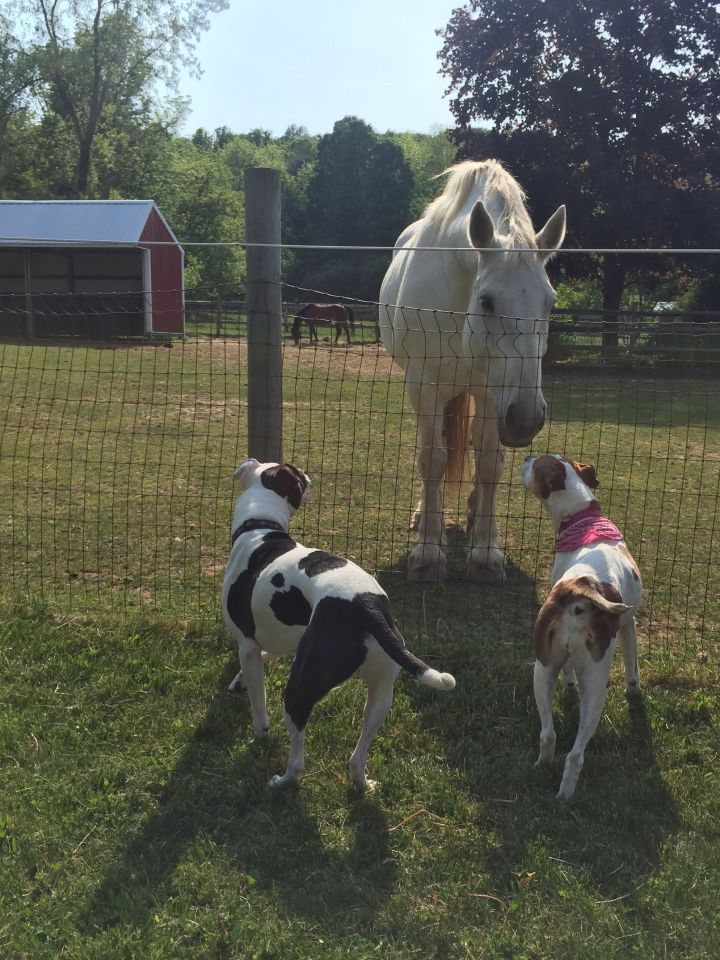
[[585, 528]]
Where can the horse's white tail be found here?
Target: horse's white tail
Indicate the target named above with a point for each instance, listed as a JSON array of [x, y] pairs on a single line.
[[457, 420]]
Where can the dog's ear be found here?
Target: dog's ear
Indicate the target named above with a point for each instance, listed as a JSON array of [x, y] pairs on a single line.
[[246, 467], [286, 481], [548, 476], [586, 472]]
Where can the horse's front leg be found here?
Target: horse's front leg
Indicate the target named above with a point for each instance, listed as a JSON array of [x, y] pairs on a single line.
[[486, 561], [427, 562]]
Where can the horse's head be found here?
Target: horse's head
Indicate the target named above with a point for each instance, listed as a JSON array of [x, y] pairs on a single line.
[[507, 323]]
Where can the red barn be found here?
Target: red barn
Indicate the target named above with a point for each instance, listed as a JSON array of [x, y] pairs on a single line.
[[89, 268]]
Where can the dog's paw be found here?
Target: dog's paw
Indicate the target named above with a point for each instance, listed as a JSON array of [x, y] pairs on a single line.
[[632, 689], [279, 781], [364, 786], [237, 684], [260, 735]]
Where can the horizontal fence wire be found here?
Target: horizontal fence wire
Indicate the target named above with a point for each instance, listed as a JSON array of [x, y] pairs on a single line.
[[117, 455]]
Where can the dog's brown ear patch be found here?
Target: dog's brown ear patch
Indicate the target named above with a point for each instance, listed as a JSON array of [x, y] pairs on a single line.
[[286, 481], [586, 472], [548, 476]]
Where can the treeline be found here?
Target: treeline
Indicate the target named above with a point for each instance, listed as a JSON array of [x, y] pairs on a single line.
[[612, 112]]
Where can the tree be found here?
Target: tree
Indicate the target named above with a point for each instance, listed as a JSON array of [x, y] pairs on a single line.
[[100, 56], [17, 72], [361, 190], [359, 194], [623, 97], [194, 190], [427, 156]]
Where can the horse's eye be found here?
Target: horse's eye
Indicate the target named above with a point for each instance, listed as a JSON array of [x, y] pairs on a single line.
[[487, 303]]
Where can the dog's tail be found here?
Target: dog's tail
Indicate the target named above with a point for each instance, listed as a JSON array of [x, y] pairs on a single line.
[[379, 622]]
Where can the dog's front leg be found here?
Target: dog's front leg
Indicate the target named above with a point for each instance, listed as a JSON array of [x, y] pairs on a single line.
[[628, 645], [253, 676]]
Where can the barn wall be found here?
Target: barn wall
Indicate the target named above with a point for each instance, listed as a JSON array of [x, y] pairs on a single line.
[[166, 276]]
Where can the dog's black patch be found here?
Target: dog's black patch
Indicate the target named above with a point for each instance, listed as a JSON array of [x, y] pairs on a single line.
[[319, 562], [274, 545], [291, 607], [278, 580], [333, 648]]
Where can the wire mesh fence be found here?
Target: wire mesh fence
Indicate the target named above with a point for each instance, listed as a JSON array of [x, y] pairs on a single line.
[[117, 457]]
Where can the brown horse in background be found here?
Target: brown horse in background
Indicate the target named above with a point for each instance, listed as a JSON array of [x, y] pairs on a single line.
[[324, 315]]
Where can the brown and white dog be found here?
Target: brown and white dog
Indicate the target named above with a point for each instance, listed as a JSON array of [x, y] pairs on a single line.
[[596, 590], [281, 599]]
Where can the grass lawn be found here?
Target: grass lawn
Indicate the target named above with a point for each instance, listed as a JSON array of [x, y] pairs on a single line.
[[134, 820]]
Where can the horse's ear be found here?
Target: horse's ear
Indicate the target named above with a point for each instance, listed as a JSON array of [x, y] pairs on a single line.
[[480, 229], [553, 233]]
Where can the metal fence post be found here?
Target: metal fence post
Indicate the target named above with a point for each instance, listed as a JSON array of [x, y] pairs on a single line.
[[264, 305]]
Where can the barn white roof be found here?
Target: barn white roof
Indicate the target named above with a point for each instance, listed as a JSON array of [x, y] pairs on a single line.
[[60, 222]]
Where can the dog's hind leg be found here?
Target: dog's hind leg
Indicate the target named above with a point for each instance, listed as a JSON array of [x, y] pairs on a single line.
[[324, 659], [628, 645], [377, 706], [296, 760], [544, 683], [593, 684]]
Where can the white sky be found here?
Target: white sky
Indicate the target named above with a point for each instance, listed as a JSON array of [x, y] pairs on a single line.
[[272, 63]]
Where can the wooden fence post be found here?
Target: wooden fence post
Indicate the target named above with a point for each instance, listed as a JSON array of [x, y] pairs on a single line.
[[264, 306]]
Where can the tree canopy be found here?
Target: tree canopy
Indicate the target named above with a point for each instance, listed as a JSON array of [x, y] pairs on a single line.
[[615, 105]]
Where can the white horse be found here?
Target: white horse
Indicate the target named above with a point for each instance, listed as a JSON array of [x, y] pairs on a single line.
[[470, 329]]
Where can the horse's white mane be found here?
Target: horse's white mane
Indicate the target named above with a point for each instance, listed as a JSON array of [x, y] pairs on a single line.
[[485, 180]]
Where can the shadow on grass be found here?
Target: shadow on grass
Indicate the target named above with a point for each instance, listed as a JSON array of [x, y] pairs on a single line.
[[216, 799]]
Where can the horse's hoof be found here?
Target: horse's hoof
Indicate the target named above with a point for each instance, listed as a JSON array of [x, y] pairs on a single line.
[[487, 565], [427, 564]]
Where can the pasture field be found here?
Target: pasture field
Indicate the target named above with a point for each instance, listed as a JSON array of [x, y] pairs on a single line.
[[134, 820]]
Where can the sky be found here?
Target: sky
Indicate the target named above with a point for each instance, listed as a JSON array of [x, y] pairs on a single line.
[[272, 63]]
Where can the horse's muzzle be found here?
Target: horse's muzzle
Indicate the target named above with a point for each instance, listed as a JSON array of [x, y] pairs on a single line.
[[517, 431]]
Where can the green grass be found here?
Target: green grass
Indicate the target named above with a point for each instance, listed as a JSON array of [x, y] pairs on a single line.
[[134, 820]]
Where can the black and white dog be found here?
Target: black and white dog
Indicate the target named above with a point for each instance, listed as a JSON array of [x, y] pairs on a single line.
[[280, 598]]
